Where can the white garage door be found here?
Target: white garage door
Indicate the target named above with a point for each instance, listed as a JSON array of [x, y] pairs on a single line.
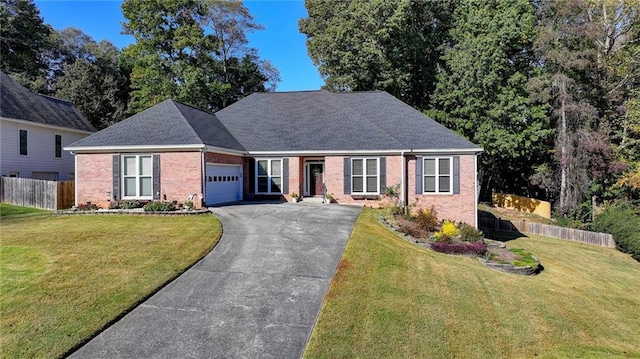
[[224, 183]]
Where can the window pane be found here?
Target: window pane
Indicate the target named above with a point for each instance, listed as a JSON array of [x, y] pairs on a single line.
[[130, 186], [445, 166], [262, 167], [58, 146], [23, 142], [275, 168], [276, 183], [129, 166], [430, 166], [146, 187], [430, 184], [372, 167], [263, 183], [372, 184], [356, 169], [443, 184], [145, 165], [357, 184]]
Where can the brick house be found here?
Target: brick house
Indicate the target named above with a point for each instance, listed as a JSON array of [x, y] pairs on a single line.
[[270, 145]]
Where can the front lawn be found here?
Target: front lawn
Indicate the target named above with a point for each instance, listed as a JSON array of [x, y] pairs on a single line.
[[392, 299], [63, 278], [11, 210]]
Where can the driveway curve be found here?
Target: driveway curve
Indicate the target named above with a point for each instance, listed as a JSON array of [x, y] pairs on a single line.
[[255, 295]]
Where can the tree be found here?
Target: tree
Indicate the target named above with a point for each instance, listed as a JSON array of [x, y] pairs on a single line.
[[184, 50], [378, 45], [482, 91], [23, 39]]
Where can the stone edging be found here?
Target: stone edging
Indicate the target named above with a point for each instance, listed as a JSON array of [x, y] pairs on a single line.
[[134, 212], [510, 268]]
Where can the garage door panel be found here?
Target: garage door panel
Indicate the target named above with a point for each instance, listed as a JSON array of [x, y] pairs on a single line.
[[223, 183]]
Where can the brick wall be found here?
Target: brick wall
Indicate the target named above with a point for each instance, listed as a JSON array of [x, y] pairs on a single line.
[[457, 207], [212, 157], [180, 176]]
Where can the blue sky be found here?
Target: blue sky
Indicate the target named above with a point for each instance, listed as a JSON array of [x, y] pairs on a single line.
[[280, 42]]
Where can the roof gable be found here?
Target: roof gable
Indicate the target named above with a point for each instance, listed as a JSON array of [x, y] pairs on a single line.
[[168, 123], [18, 102]]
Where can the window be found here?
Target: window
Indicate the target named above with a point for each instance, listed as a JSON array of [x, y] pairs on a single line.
[[437, 175], [58, 148], [137, 176], [23, 142], [269, 176], [365, 177]]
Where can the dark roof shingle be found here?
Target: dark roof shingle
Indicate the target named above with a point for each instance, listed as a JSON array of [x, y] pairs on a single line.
[[18, 102], [167, 123]]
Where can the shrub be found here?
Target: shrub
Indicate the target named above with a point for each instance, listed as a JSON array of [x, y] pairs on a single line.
[[159, 206], [448, 232], [475, 248], [127, 204], [427, 219], [623, 222], [410, 230], [469, 233], [87, 207]]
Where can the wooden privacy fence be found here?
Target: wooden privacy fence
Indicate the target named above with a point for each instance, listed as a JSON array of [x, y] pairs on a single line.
[[50, 195], [576, 235]]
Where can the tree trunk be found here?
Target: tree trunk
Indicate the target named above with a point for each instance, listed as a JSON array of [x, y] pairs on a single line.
[[563, 146]]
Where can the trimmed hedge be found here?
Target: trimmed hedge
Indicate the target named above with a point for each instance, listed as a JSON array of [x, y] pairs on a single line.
[[623, 222]]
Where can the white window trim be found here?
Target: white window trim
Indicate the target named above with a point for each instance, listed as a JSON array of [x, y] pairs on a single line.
[[269, 176], [27, 131], [365, 175], [424, 169], [61, 146], [137, 176]]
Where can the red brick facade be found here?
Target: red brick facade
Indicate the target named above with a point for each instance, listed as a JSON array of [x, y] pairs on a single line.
[[181, 176]]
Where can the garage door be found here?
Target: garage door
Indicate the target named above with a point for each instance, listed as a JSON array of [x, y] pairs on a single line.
[[224, 183]]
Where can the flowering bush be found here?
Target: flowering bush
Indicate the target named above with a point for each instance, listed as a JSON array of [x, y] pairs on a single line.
[[427, 219], [475, 248], [448, 232]]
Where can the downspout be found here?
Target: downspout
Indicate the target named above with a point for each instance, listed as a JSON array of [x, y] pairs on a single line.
[[475, 187], [203, 182], [75, 178], [402, 181]]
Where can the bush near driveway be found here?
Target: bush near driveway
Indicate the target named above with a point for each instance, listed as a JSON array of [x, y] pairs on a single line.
[[623, 222], [63, 278], [392, 299]]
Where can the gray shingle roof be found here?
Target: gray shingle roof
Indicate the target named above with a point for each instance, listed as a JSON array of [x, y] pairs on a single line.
[[321, 120], [167, 123], [18, 102]]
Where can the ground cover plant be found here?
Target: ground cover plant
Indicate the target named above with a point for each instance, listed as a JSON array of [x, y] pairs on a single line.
[[393, 299], [65, 277]]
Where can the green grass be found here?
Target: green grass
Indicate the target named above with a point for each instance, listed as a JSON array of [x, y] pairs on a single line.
[[11, 210], [392, 299], [63, 278]]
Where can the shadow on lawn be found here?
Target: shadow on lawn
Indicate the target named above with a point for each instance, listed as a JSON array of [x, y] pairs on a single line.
[[497, 229]]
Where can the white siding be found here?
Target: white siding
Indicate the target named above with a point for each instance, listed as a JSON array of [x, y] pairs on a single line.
[[40, 156]]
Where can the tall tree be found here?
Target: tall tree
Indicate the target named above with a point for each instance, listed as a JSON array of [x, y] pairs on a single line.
[[482, 90], [23, 39], [184, 49], [386, 45]]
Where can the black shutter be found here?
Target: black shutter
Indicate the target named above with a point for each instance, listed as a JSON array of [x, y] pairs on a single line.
[[419, 175], [285, 175], [456, 175], [347, 175], [252, 174], [383, 174], [116, 177], [156, 177]]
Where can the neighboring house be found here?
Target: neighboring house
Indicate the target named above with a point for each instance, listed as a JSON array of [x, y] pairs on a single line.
[[33, 132], [269, 145]]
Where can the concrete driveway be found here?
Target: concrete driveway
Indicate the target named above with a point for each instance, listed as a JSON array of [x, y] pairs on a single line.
[[256, 295]]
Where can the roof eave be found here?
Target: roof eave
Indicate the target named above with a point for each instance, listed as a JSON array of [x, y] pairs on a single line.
[[136, 148], [53, 127]]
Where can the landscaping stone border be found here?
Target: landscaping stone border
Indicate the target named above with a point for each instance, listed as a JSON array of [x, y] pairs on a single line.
[[135, 212], [510, 268]]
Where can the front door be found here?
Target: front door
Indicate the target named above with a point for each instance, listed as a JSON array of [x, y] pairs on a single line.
[[315, 178]]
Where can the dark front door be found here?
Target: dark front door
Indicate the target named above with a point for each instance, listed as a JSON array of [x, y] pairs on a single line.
[[315, 177]]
